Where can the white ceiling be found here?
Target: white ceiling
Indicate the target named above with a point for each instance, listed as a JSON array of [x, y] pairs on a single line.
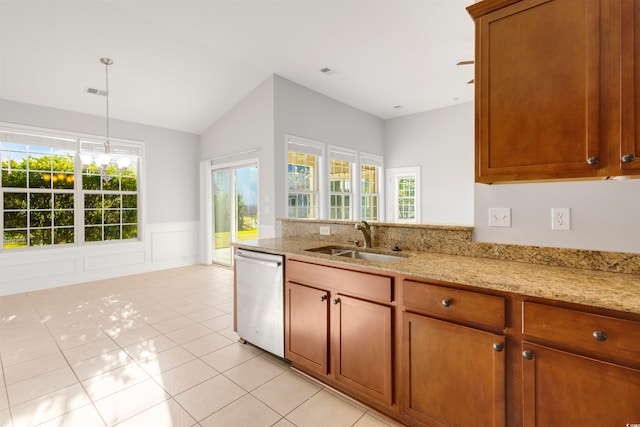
[[182, 64]]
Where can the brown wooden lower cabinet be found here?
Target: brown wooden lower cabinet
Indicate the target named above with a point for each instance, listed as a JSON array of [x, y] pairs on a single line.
[[565, 389], [363, 347], [337, 331], [307, 327], [441, 354], [452, 375]]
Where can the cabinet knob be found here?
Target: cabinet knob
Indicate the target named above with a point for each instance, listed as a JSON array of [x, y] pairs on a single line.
[[336, 300], [627, 158], [446, 302], [593, 160], [498, 347], [527, 354], [323, 298], [600, 335]]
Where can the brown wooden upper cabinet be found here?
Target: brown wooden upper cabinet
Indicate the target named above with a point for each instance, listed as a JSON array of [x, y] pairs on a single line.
[[557, 89]]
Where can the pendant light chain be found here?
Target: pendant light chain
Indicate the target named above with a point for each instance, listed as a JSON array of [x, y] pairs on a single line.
[[107, 62]]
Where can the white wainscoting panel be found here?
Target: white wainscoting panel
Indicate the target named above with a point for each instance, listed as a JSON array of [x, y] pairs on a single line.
[[164, 245]]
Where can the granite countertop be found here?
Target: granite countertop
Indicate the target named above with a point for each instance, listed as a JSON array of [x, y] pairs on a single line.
[[614, 291]]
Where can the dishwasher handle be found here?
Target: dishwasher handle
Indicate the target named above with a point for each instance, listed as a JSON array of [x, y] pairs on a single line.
[[274, 264]]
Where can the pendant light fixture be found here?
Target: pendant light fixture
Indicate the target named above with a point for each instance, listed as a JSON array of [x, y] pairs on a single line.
[[105, 158]]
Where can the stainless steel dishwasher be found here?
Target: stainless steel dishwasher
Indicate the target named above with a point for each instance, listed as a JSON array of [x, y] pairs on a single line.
[[260, 300]]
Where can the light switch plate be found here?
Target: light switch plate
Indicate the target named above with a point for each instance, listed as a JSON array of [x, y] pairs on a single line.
[[499, 217]]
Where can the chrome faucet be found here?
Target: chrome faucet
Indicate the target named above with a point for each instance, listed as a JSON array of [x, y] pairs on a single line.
[[366, 231]]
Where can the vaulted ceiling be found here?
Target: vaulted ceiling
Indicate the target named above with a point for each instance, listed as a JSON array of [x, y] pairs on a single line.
[[182, 64]]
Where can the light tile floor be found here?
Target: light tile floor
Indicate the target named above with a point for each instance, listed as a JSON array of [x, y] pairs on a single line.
[[155, 349]]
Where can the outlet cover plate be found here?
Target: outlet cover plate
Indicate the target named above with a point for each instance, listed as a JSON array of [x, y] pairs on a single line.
[[499, 217], [561, 219], [325, 230]]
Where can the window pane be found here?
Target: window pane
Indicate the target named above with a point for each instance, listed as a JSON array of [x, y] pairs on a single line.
[[39, 179], [40, 200], [129, 231], [301, 172], [63, 235], [40, 218], [15, 201], [15, 219], [112, 216], [40, 237], [63, 201], [15, 239], [63, 180], [112, 201], [91, 182], [93, 234], [129, 216], [93, 201], [92, 217], [340, 176], [112, 232], [129, 184], [129, 201], [369, 208], [14, 179], [63, 218]]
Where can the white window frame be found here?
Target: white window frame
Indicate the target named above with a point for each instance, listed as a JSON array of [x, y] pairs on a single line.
[[392, 208], [306, 146], [78, 142], [350, 156], [376, 160]]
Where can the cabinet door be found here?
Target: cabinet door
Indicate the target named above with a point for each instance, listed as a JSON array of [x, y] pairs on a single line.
[[453, 375], [630, 74], [363, 346], [538, 91], [563, 389], [306, 327]]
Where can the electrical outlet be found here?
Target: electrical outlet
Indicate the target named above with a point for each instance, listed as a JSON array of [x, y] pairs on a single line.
[[499, 217], [561, 219], [325, 230]]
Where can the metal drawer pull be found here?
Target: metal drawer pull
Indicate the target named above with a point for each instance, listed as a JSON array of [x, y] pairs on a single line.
[[593, 160], [600, 335], [498, 347], [323, 298], [627, 158], [527, 354], [446, 303], [336, 301]]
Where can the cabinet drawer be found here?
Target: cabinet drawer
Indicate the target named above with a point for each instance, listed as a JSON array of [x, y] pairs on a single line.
[[456, 305], [592, 334], [347, 281]]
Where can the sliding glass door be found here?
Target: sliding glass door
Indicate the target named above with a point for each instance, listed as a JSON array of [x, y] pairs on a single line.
[[234, 207]]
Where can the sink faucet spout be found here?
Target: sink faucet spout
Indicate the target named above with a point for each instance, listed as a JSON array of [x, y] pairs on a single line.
[[366, 232]]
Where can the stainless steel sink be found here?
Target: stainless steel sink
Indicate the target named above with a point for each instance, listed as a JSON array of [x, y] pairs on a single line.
[[354, 253]]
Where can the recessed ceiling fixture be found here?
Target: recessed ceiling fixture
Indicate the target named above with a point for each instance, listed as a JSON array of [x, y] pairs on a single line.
[[327, 71], [94, 91], [103, 161]]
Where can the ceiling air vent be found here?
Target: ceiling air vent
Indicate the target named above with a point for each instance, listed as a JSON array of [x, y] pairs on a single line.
[[327, 71], [95, 91]]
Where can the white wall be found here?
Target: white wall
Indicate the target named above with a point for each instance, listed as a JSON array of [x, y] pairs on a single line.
[[247, 126], [605, 215], [170, 206], [441, 142], [302, 112]]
